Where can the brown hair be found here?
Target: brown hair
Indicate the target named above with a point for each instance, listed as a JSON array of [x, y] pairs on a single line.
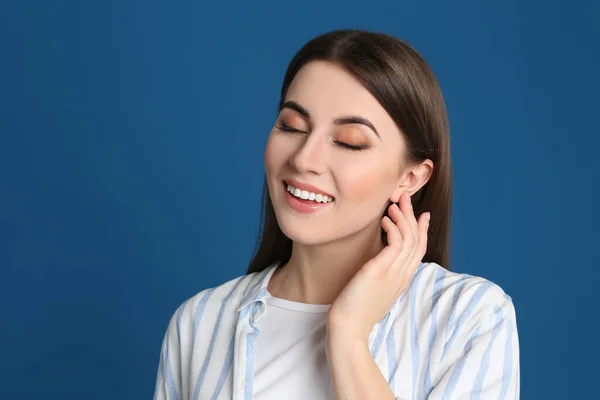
[[405, 86]]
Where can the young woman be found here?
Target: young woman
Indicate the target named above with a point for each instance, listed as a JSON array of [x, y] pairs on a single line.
[[349, 295]]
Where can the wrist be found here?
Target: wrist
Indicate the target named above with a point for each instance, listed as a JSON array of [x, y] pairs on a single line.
[[345, 340]]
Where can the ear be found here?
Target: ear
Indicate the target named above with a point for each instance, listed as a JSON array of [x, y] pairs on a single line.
[[413, 178]]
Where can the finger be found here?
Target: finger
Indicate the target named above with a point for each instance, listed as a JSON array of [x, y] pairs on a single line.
[[421, 248], [424, 221], [403, 251], [401, 221], [417, 256], [388, 256], [394, 237], [408, 211]]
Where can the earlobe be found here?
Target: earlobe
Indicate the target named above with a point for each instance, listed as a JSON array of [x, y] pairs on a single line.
[[398, 192]]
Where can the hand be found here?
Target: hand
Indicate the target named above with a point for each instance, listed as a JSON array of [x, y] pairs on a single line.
[[375, 287]]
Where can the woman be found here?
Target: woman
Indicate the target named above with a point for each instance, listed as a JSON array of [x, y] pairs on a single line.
[[349, 295]]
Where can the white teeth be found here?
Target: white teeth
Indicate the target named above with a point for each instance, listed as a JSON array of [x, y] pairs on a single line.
[[306, 195]]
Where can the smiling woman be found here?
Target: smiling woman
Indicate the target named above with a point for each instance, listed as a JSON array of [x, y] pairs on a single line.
[[349, 294]]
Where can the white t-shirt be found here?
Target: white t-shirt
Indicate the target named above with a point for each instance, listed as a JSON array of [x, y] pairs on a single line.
[[290, 360]]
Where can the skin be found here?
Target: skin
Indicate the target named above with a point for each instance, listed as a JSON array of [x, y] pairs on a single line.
[[337, 256]]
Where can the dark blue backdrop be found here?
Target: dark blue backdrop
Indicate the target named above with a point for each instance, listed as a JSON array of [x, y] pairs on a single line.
[[131, 145]]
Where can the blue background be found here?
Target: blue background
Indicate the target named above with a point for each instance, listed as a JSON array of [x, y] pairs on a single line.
[[131, 167]]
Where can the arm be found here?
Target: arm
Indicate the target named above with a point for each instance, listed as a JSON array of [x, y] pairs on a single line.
[[354, 373], [365, 300], [168, 376]]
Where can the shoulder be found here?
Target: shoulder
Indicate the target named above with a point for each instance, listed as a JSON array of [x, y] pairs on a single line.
[[457, 297], [464, 329], [214, 304]]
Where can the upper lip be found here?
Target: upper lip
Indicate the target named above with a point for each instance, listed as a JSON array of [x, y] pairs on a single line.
[[307, 187]]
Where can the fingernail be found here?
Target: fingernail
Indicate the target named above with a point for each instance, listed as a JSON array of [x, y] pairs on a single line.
[[428, 217]]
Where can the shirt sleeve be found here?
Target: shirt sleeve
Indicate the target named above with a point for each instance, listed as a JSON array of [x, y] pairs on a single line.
[[488, 365], [168, 376]]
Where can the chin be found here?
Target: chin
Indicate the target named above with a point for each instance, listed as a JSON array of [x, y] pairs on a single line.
[[312, 233], [304, 233], [310, 228], [322, 231]]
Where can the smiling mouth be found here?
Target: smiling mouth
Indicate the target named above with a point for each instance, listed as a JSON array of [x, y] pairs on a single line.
[[306, 195]]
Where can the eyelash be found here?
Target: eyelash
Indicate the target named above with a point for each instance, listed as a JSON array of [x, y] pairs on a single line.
[[285, 128]]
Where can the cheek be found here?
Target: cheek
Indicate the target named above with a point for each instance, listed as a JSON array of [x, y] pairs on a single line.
[[368, 183], [278, 151]]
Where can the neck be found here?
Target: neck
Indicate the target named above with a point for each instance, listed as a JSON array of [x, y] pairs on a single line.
[[316, 274]]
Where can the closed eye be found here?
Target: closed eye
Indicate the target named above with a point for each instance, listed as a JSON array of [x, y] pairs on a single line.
[[351, 146], [286, 128]]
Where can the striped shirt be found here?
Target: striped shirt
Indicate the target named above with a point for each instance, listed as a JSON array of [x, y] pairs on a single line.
[[448, 336]]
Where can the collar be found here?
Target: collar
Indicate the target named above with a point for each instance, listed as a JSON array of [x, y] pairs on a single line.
[[257, 289]]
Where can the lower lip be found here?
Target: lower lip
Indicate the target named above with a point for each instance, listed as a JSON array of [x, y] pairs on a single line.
[[303, 206]]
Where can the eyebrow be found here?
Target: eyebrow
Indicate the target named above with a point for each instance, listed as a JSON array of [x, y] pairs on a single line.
[[353, 119]]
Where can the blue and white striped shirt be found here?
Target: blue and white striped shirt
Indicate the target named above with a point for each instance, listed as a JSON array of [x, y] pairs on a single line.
[[448, 336]]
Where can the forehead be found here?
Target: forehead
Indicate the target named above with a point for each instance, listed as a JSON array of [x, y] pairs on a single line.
[[328, 91]]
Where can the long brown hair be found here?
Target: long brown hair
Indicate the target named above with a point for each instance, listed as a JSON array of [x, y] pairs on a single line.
[[405, 86]]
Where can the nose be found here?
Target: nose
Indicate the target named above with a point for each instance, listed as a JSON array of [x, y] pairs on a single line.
[[311, 155]]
